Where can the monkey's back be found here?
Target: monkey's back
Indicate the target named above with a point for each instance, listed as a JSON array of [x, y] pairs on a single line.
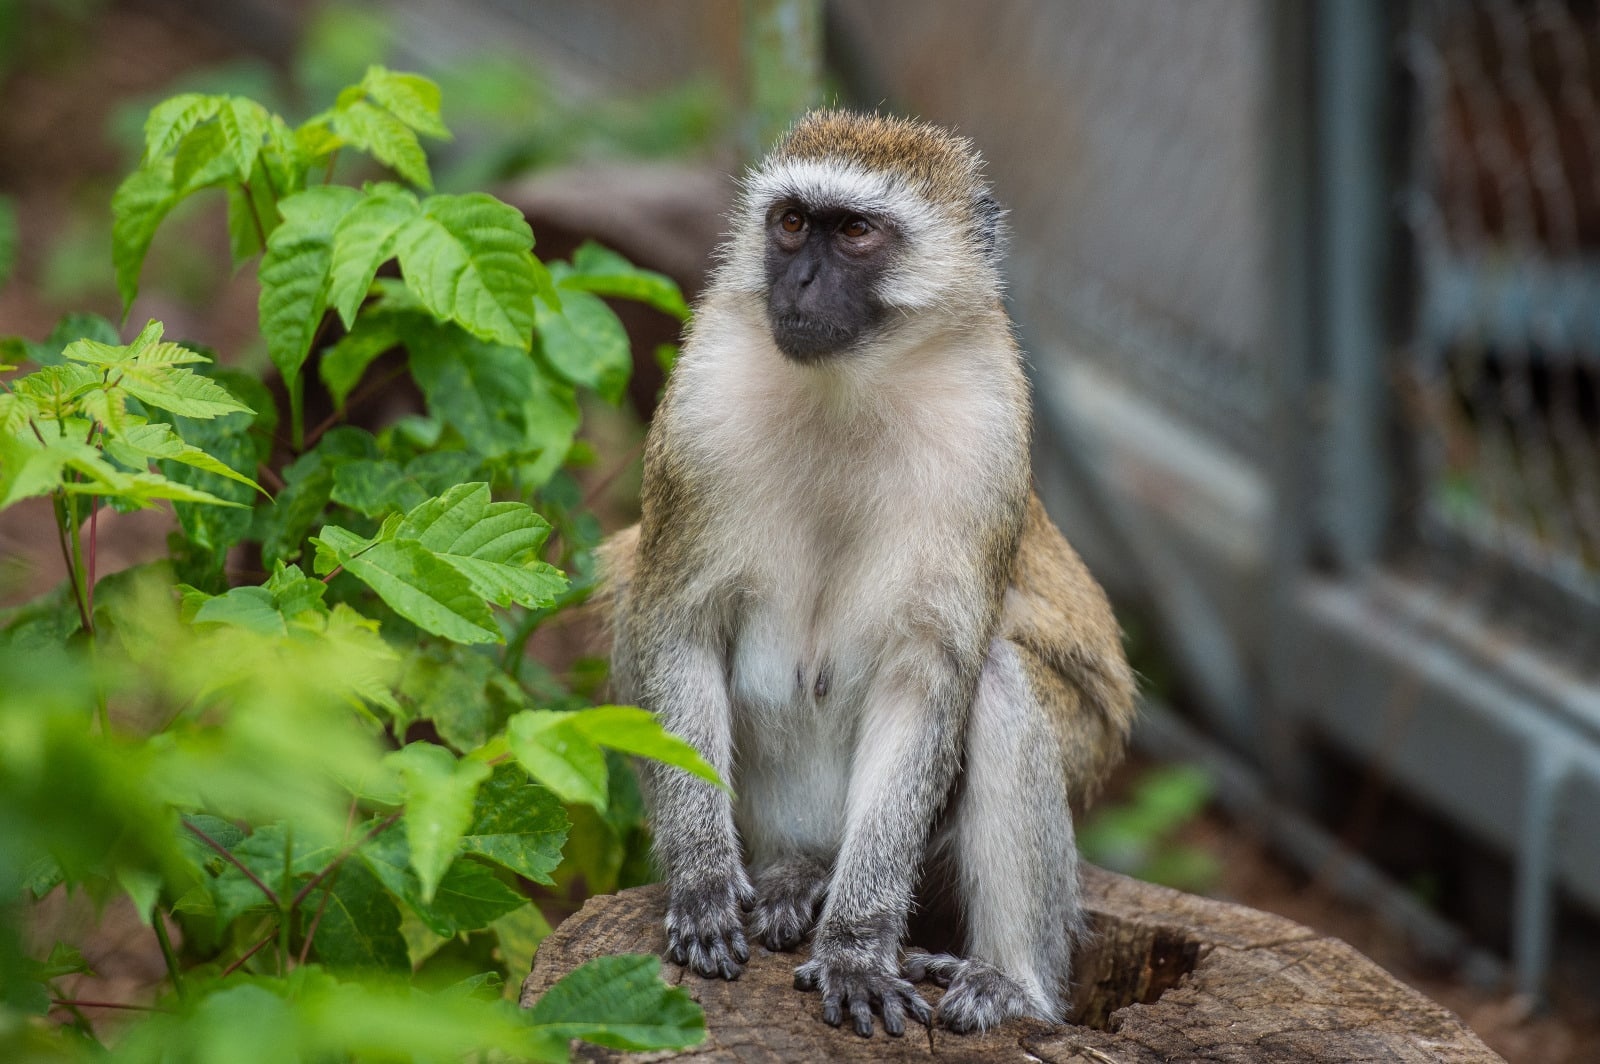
[[1062, 624]]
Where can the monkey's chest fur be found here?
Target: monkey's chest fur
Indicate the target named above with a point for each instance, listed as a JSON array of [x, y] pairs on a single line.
[[837, 558]]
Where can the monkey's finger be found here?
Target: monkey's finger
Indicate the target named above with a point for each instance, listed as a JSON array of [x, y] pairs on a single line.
[[740, 948], [861, 1015], [916, 964], [805, 978], [677, 950], [832, 1015], [894, 1016], [920, 1010]]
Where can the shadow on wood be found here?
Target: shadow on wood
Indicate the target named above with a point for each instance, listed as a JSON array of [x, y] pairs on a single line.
[[1165, 976]]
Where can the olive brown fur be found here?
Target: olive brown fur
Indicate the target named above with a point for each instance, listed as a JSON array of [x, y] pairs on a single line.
[[845, 594]]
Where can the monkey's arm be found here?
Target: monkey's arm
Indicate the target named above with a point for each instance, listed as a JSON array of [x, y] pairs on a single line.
[[696, 844], [668, 657]]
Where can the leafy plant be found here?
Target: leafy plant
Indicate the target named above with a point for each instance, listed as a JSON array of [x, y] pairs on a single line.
[[296, 745], [1139, 835]]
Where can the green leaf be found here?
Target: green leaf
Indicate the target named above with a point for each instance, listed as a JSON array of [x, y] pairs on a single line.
[[518, 825], [138, 207], [469, 260], [375, 488], [262, 853], [495, 397], [364, 240], [71, 327], [622, 1003], [466, 694], [560, 756], [287, 596], [423, 589], [154, 373], [411, 98], [137, 445], [247, 607], [602, 271], [586, 343], [378, 132], [244, 238], [245, 125], [202, 160], [518, 934], [10, 240], [469, 897], [172, 119], [360, 926], [439, 794], [632, 730], [343, 364], [295, 273], [493, 544]]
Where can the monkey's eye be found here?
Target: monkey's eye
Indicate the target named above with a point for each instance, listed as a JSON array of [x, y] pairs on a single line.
[[856, 228], [792, 221]]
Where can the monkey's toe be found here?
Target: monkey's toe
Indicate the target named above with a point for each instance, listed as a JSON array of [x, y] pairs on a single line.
[[981, 996], [920, 966], [857, 994], [781, 925], [788, 898]]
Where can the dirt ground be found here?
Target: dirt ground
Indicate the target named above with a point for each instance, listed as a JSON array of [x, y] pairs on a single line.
[[54, 154]]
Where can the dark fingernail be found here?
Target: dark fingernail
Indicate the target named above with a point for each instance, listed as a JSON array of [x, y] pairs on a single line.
[[832, 1016]]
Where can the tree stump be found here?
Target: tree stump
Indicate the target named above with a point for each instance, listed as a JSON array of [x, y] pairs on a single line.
[[1164, 976]]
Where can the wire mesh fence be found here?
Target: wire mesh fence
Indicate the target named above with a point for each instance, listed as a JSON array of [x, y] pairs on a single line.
[[1499, 377]]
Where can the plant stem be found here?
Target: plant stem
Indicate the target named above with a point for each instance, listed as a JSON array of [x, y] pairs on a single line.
[[316, 921], [82, 1004], [286, 912], [79, 584], [169, 955], [355, 400], [334, 864], [255, 216], [272, 895], [59, 499], [333, 157], [251, 952]]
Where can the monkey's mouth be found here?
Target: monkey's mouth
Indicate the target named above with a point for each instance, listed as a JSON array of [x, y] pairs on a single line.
[[809, 339]]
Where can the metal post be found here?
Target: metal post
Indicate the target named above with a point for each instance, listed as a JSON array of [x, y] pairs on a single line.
[[783, 66]]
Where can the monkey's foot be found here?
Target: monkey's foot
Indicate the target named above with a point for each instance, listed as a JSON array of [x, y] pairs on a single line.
[[705, 928], [851, 989], [788, 896], [978, 995]]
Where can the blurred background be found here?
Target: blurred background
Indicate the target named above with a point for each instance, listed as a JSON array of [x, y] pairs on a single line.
[[1311, 296]]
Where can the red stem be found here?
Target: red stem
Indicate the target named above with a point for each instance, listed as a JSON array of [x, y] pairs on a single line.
[[223, 850], [251, 952], [81, 1004]]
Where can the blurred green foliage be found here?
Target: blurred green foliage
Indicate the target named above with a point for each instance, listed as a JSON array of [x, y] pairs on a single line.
[[1139, 835]]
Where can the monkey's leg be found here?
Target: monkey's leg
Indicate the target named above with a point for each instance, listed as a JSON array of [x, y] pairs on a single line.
[[789, 892], [906, 757], [1016, 861]]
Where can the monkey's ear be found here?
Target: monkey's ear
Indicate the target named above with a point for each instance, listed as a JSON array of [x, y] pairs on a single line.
[[991, 228]]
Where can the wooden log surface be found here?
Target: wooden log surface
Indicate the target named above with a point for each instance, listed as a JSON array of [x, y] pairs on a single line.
[[1165, 976]]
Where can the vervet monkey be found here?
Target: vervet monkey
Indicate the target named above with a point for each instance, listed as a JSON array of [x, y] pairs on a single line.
[[845, 594]]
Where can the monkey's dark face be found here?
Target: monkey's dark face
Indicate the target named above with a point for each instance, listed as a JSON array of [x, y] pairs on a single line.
[[823, 268]]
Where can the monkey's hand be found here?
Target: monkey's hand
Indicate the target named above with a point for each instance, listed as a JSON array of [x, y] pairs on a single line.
[[853, 980], [705, 926]]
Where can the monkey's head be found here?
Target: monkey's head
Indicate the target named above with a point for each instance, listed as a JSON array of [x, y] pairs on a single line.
[[857, 224]]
